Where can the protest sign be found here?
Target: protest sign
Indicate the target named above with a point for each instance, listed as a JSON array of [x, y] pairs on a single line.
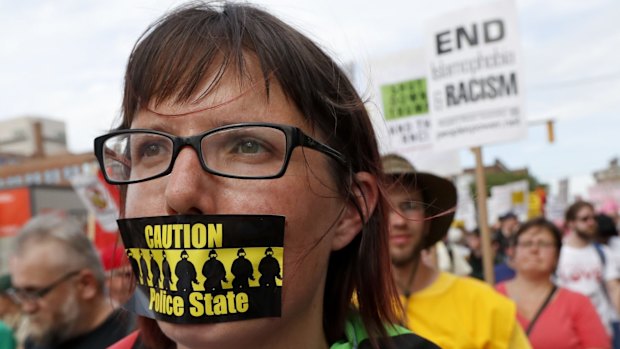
[[474, 78]]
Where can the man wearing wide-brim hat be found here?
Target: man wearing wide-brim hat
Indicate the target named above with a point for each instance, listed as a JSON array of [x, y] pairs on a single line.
[[452, 311]]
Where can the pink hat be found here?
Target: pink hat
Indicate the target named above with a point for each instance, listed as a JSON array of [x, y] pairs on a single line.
[[609, 207]]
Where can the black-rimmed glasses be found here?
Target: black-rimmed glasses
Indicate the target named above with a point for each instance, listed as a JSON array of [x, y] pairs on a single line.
[[247, 151], [23, 295]]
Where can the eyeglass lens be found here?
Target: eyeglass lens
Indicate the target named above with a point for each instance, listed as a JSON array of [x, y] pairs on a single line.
[[30, 295], [252, 151], [538, 244], [411, 208]]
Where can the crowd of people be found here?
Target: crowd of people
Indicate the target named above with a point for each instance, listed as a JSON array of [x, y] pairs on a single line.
[[230, 115]]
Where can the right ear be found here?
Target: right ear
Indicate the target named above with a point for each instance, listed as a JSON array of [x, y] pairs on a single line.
[[366, 196]]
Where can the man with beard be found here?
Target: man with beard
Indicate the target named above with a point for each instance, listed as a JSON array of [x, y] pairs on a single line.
[[58, 280], [449, 310], [588, 268]]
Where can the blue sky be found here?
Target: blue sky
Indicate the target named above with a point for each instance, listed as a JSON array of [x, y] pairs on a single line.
[[65, 60]]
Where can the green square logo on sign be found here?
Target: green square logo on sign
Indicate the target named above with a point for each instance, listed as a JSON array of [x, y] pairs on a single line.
[[403, 99]]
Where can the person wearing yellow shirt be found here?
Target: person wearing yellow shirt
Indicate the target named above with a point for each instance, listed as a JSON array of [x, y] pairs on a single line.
[[451, 311]]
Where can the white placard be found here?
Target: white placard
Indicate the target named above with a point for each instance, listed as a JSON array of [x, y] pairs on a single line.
[[511, 197], [399, 85], [475, 83], [401, 113], [97, 199]]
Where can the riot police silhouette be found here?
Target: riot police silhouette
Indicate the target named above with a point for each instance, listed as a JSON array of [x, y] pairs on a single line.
[[134, 263], [269, 268], [186, 273], [165, 266], [243, 270], [144, 270], [215, 273], [155, 271]]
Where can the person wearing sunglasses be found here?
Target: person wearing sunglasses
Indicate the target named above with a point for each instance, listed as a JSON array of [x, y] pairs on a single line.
[[58, 281], [588, 268], [232, 116]]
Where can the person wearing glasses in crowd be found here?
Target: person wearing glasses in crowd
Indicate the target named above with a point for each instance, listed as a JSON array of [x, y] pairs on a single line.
[[229, 111], [58, 281], [552, 317], [451, 311], [588, 268], [118, 274], [10, 315]]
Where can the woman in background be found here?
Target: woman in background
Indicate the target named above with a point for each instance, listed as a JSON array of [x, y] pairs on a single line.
[[552, 317]]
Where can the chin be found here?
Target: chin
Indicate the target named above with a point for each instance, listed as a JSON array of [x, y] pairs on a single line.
[[36, 329], [218, 335]]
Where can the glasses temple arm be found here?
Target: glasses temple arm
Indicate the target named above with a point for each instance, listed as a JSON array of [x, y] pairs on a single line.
[[310, 142]]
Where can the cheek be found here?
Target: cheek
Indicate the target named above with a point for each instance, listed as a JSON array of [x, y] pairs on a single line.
[[311, 208], [116, 283], [143, 199], [551, 258], [310, 220], [304, 271], [521, 256], [308, 231]]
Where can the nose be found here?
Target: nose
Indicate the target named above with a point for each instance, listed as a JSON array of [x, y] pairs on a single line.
[[189, 188], [396, 218], [29, 306]]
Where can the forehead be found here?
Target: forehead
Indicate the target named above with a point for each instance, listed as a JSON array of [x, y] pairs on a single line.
[[584, 211], [537, 233], [224, 99], [402, 191], [509, 220], [27, 267]]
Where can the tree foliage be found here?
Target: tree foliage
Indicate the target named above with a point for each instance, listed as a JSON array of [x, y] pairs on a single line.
[[493, 179]]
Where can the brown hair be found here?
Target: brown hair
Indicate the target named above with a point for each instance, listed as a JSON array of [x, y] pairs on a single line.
[[571, 212], [540, 223], [169, 62]]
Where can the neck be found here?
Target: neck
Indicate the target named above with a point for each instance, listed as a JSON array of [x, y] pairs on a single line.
[[413, 276], [97, 312], [574, 240], [288, 336], [531, 281], [302, 330]]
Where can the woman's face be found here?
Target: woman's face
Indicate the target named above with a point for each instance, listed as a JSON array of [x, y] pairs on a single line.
[[306, 195], [536, 252]]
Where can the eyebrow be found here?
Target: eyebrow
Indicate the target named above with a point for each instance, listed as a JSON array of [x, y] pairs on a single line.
[[212, 121]]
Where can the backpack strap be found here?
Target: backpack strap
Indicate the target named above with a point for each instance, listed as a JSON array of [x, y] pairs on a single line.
[[601, 254]]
